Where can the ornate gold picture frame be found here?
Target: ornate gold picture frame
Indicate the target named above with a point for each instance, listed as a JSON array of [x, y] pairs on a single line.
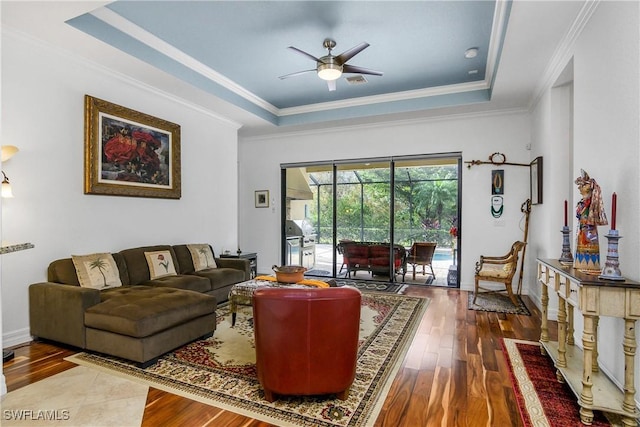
[[129, 153]]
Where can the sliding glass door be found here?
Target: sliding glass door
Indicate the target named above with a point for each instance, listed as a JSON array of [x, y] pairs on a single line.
[[384, 206]]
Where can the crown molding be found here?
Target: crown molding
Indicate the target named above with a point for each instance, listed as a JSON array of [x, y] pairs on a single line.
[[384, 124], [563, 52], [72, 56], [118, 22]]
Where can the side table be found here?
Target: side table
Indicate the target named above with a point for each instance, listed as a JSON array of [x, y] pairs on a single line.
[[251, 256]]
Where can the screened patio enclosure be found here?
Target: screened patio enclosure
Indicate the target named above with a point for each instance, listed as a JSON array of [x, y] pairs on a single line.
[[392, 201]]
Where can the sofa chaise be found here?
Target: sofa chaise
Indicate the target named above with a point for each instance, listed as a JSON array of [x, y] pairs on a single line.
[[142, 316]]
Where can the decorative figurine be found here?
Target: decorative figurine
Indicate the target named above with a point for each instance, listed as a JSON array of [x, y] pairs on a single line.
[[590, 214]]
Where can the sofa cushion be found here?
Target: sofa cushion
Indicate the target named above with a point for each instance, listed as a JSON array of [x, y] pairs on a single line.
[[160, 264], [63, 271], [221, 277], [97, 271], [188, 282], [141, 311], [202, 257], [137, 263]]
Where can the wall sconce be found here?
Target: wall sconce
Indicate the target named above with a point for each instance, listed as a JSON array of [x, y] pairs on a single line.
[[6, 152], [6, 192]]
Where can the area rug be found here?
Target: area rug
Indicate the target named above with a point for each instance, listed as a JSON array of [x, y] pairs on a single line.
[[499, 303], [220, 371], [316, 272], [542, 399], [372, 285]]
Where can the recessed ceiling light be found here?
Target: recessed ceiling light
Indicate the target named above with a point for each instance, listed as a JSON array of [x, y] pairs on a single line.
[[472, 52]]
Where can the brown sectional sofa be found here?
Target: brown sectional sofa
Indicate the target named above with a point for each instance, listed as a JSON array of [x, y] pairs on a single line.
[[142, 319]]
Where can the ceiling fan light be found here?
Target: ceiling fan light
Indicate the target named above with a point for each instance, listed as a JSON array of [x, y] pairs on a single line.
[[329, 71]]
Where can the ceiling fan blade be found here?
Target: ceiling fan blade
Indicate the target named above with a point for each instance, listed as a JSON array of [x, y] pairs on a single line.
[[302, 52], [359, 70], [348, 54], [297, 73], [332, 85]]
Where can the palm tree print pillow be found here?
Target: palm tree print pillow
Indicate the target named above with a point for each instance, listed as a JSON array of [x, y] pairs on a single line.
[[160, 264], [202, 257], [97, 271]]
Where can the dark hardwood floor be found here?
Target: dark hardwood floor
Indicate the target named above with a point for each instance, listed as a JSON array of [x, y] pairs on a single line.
[[453, 375]]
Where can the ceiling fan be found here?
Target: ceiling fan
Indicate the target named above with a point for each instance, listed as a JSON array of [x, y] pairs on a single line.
[[331, 67]]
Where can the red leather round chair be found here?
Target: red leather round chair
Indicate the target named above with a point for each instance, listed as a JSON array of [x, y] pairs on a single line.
[[306, 340]]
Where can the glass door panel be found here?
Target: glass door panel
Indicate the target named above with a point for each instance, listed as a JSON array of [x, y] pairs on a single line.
[[426, 216], [362, 215]]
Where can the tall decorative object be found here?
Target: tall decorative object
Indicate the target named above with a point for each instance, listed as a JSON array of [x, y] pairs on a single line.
[[566, 258], [590, 214], [611, 270]]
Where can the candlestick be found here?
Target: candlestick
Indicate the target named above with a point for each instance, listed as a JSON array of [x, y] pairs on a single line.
[[565, 213], [611, 270], [614, 201], [566, 258]]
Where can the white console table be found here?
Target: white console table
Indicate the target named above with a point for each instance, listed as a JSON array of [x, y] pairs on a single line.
[[592, 297]]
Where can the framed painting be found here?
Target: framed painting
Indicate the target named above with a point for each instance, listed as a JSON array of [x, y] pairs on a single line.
[[129, 153], [262, 199], [535, 179]]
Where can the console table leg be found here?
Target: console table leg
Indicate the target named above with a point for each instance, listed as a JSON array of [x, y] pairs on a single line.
[[570, 330], [562, 333], [544, 330], [594, 354], [629, 348], [586, 396]]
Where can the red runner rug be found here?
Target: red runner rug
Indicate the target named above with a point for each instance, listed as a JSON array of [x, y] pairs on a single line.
[[542, 399]]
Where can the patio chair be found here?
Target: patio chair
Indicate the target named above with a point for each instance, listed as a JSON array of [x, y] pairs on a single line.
[[340, 247], [421, 253], [500, 269]]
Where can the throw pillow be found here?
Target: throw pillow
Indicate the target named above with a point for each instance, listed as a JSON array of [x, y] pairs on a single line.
[[97, 271], [160, 264], [202, 257]]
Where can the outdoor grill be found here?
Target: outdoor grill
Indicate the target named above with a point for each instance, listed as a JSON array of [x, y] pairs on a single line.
[[301, 243]]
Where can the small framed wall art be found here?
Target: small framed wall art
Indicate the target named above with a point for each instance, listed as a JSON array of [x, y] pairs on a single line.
[[262, 199], [535, 175], [129, 153]]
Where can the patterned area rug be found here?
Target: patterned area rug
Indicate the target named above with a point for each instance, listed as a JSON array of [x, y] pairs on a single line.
[[542, 400], [371, 285], [499, 303], [220, 371]]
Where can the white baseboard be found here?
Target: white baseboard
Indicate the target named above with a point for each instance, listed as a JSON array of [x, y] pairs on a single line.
[[20, 336]]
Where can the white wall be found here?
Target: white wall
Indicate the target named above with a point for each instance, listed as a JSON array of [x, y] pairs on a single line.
[[476, 137], [605, 143], [43, 114]]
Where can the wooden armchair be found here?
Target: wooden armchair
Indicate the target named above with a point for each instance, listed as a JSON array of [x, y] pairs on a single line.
[[421, 253], [499, 269]]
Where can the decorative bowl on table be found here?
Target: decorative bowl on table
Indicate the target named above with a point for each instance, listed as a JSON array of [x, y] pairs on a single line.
[[289, 273]]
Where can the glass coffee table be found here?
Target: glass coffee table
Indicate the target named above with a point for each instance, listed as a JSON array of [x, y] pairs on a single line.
[[242, 293]]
